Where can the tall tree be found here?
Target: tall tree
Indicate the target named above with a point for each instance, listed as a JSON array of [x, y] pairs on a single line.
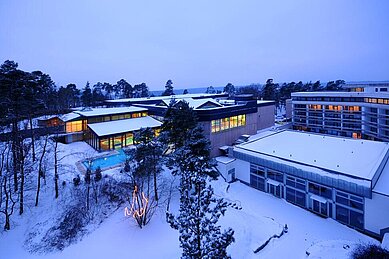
[[168, 88], [230, 89], [125, 88], [210, 90], [179, 119], [200, 210], [141, 90], [269, 91], [86, 96]]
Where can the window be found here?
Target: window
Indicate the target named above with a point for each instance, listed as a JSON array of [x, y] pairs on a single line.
[[73, 126], [228, 123], [136, 115], [104, 144], [129, 139], [296, 183], [257, 182], [295, 196], [279, 177], [257, 170], [349, 209], [320, 190]]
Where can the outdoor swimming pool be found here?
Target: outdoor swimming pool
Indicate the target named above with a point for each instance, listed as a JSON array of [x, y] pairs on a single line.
[[107, 161]]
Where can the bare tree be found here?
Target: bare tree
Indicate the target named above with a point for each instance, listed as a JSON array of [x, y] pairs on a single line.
[[40, 169]]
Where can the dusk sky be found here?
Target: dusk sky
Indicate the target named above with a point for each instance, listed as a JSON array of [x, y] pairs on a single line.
[[197, 43]]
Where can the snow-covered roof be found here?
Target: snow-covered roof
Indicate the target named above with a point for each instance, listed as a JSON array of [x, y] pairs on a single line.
[[353, 157], [122, 126], [195, 103], [155, 98], [69, 116], [108, 111], [341, 94]]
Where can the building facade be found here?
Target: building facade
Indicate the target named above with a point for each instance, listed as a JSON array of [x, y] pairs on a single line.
[[363, 112], [223, 120], [339, 178]]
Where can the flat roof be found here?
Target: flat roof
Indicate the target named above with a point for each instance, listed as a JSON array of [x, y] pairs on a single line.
[[178, 96], [341, 94], [108, 111], [122, 126], [352, 157]]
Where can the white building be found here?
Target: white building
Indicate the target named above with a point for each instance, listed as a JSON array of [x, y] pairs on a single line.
[[341, 178], [362, 112]]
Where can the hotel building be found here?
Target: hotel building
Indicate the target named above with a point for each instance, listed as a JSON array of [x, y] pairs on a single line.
[[362, 112]]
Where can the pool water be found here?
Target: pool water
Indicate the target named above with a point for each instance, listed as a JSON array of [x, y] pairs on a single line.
[[108, 161]]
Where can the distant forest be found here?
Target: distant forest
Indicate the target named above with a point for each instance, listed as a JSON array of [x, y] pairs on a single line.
[[24, 95]]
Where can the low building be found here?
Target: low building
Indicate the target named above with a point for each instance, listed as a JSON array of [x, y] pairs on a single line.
[[222, 120], [104, 128], [341, 178]]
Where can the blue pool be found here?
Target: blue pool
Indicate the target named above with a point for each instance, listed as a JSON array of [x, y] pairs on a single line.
[[108, 161]]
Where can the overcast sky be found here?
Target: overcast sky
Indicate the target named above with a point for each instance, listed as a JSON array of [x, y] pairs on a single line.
[[197, 43]]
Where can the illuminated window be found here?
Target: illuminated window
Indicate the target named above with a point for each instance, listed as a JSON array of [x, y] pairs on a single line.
[[136, 115], [144, 114], [127, 116], [215, 125], [157, 132], [234, 121], [115, 117], [225, 123], [129, 139], [242, 120], [73, 126], [104, 144]]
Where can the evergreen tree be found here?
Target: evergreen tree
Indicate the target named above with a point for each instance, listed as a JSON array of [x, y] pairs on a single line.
[[168, 88], [210, 90], [185, 91], [200, 236], [97, 94], [179, 119], [125, 88], [141, 90], [230, 89], [269, 91], [86, 96]]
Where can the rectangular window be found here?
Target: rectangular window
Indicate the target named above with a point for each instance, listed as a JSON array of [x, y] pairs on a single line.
[[74, 126], [279, 177], [129, 139]]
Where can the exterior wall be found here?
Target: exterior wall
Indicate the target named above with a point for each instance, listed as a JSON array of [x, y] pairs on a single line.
[[228, 137], [288, 108], [265, 117], [224, 168], [370, 122], [242, 170], [377, 213]]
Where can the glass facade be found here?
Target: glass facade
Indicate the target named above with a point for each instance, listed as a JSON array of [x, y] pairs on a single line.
[[323, 200], [74, 126], [228, 123]]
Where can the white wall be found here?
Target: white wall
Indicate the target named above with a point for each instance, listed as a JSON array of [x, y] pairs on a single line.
[[242, 170], [377, 213]]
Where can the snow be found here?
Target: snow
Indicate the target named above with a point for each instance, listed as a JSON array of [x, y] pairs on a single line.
[[354, 157], [121, 126], [260, 217], [382, 185], [156, 98], [109, 111], [69, 116], [224, 159], [385, 242]]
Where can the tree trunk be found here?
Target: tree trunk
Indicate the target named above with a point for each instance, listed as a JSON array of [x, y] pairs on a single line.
[[21, 202], [40, 171], [56, 169], [32, 139], [15, 155]]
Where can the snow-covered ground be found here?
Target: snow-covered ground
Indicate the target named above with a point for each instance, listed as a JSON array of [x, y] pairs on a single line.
[[261, 216]]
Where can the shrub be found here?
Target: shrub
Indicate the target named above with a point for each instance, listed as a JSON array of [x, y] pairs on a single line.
[[76, 180], [369, 251]]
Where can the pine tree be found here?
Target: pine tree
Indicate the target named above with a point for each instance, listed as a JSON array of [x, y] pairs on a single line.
[[200, 236], [179, 119], [168, 88]]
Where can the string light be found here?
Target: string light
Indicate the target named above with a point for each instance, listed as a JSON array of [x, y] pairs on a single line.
[[136, 213]]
